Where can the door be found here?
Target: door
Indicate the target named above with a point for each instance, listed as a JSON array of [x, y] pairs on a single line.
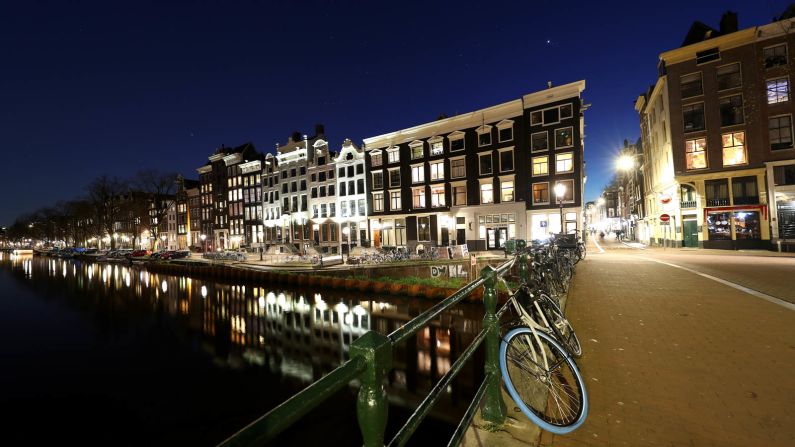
[[502, 236], [690, 233], [461, 236], [376, 238], [445, 237], [786, 224], [491, 239]]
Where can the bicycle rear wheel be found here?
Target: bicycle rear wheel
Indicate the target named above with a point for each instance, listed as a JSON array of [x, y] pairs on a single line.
[[552, 393], [560, 326]]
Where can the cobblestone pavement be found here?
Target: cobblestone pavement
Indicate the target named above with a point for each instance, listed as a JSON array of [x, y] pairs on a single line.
[[673, 358]]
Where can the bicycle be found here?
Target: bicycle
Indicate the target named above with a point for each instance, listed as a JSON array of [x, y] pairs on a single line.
[[538, 371]]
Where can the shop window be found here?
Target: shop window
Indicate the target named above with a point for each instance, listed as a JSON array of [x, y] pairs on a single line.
[[747, 225], [719, 226]]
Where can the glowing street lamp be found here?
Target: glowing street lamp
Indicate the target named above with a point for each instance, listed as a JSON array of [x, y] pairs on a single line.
[[204, 246], [560, 192], [163, 238], [625, 163]]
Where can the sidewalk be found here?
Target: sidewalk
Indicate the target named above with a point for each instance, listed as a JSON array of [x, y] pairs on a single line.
[[697, 251]]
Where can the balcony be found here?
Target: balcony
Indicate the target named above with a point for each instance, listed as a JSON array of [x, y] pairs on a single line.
[[688, 203], [746, 200], [717, 202]]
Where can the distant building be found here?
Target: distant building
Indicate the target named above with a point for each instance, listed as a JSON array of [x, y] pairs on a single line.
[[351, 197]]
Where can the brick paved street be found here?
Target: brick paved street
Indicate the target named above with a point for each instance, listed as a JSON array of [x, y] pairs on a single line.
[[672, 358]]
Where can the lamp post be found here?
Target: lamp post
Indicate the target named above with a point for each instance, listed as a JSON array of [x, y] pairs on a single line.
[[626, 163], [259, 234], [560, 192], [163, 238], [203, 237]]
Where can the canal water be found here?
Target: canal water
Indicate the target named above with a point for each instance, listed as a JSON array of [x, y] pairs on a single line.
[[115, 355]]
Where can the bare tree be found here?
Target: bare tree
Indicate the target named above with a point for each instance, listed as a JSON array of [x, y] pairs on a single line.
[[105, 195], [158, 190]]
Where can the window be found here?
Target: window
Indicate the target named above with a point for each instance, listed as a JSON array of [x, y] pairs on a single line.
[[424, 228], [314, 178], [775, 56], [780, 129], [343, 189], [731, 110], [322, 176], [394, 177], [418, 197], [505, 134], [564, 162], [693, 115], [342, 173], [784, 175], [394, 200], [393, 155], [506, 161], [729, 76], [777, 90], [484, 139], [360, 186], [460, 195], [746, 225], [563, 137], [696, 153], [717, 192], [437, 147], [437, 170], [541, 165], [690, 85], [485, 164], [551, 116], [344, 208], [417, 151], [568, 191], [330, 174], [744, 190], [456, 141], [712, 54], [486, 193], [734, 149], [314, 193], [506, 191], [417, 174], [540, 193], [331, 190], [378, 180], [350, 171], [536, 118], [718, 226], [376, 158], [566, 111], [458, 168], [360, 168], [378, 201], [437, 196], [540, 141]]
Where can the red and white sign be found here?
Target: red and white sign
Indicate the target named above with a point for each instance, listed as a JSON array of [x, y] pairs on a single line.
[[665, 198], [664, 218]]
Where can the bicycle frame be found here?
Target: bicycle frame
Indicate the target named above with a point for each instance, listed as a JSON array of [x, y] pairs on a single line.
[[528, 320]]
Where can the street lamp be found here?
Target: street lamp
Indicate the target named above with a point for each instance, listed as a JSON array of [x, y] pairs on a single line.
[[625, 163], [259, 233], [203, 237], [560, 191], [163, 238]]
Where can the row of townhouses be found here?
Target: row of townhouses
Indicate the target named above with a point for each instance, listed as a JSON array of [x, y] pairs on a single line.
[[717, 168], [475, 179]]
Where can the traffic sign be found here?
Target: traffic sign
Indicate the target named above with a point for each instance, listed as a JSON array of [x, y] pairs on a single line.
[[664, 217]]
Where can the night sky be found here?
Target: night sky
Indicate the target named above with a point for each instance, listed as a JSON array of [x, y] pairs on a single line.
[[114, 87]]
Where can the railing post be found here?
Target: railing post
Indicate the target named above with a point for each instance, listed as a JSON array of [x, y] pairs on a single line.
[[524, 272], [372, 405], [494, 410]]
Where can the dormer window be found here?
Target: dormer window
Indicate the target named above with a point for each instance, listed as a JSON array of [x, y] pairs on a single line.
[[417, 149], [505, 130], [437, 145], [456, 141], [393, 155], [484, 135], [376, 158]]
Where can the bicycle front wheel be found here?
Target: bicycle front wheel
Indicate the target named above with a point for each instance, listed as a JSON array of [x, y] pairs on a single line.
[[543, 380]]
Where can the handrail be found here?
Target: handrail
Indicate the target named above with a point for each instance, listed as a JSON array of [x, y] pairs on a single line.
[[281, 417], [371, 360]]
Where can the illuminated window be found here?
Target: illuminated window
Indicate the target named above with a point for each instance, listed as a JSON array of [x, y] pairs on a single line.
[[777, 90], [424, 228], [506, 191], [393, 155], [417, 151], [734, 149], [394, 200], [437, 148], [437, 196], [696, 153], [564, 162], [418, 197], [378, 201], [437, 170], [541, 165], [458, 168], [417, 174], [540, 193], [486, 193]]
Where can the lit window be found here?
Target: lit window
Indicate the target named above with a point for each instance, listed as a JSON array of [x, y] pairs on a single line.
[[777, 90], [564, 162], [417, 151], [506, 191], [394, 200], [394, 155], [437, 148], [418, 197], [378, 201], [458, 168], [486, 193], [417, 174], [541, 165], [424, 228], [378, 180], [460, 195], [734, 149], [437, 196], [540, 193], [696, 153], [437, 170]]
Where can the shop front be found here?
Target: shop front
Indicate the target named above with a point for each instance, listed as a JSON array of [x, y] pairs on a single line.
[[736, 227]]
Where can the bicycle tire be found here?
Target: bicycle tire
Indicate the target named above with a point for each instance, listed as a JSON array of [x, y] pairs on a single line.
[[561, 328], [536, 395]]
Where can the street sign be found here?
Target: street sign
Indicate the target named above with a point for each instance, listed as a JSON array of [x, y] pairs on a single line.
[[665, 218]]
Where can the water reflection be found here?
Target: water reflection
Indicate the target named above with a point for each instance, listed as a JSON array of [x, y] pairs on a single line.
[[297, 334]]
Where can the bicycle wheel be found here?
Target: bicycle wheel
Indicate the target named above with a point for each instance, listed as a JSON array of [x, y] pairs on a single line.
[[560, 326], [553, 396]]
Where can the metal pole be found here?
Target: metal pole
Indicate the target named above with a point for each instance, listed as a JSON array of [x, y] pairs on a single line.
[[372, 405], [494, 409]]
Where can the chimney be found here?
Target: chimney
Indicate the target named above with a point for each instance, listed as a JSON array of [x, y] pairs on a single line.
[[728, 22], [319, 130], [549, 84], [295, 137]]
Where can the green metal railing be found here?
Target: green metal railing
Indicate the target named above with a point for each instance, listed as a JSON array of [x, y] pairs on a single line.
[[371, 360]]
